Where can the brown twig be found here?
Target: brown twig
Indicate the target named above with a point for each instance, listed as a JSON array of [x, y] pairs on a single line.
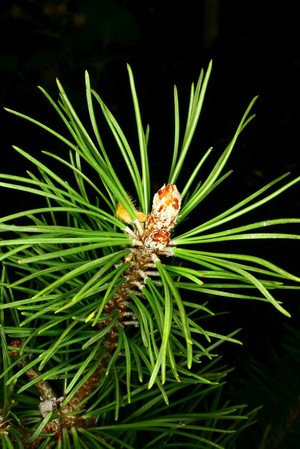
[[287, 428], [151, 238]]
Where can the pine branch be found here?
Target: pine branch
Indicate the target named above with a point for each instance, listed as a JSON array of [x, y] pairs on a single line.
[[97, 311], [287, 428]]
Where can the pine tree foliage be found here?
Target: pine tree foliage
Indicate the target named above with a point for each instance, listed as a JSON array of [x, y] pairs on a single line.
[[105, 322], [271, 385]]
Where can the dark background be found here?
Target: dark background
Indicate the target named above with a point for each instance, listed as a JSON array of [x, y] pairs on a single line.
[[254, 46]]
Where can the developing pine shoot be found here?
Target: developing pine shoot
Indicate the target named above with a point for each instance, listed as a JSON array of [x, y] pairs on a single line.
[[108, 336]]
